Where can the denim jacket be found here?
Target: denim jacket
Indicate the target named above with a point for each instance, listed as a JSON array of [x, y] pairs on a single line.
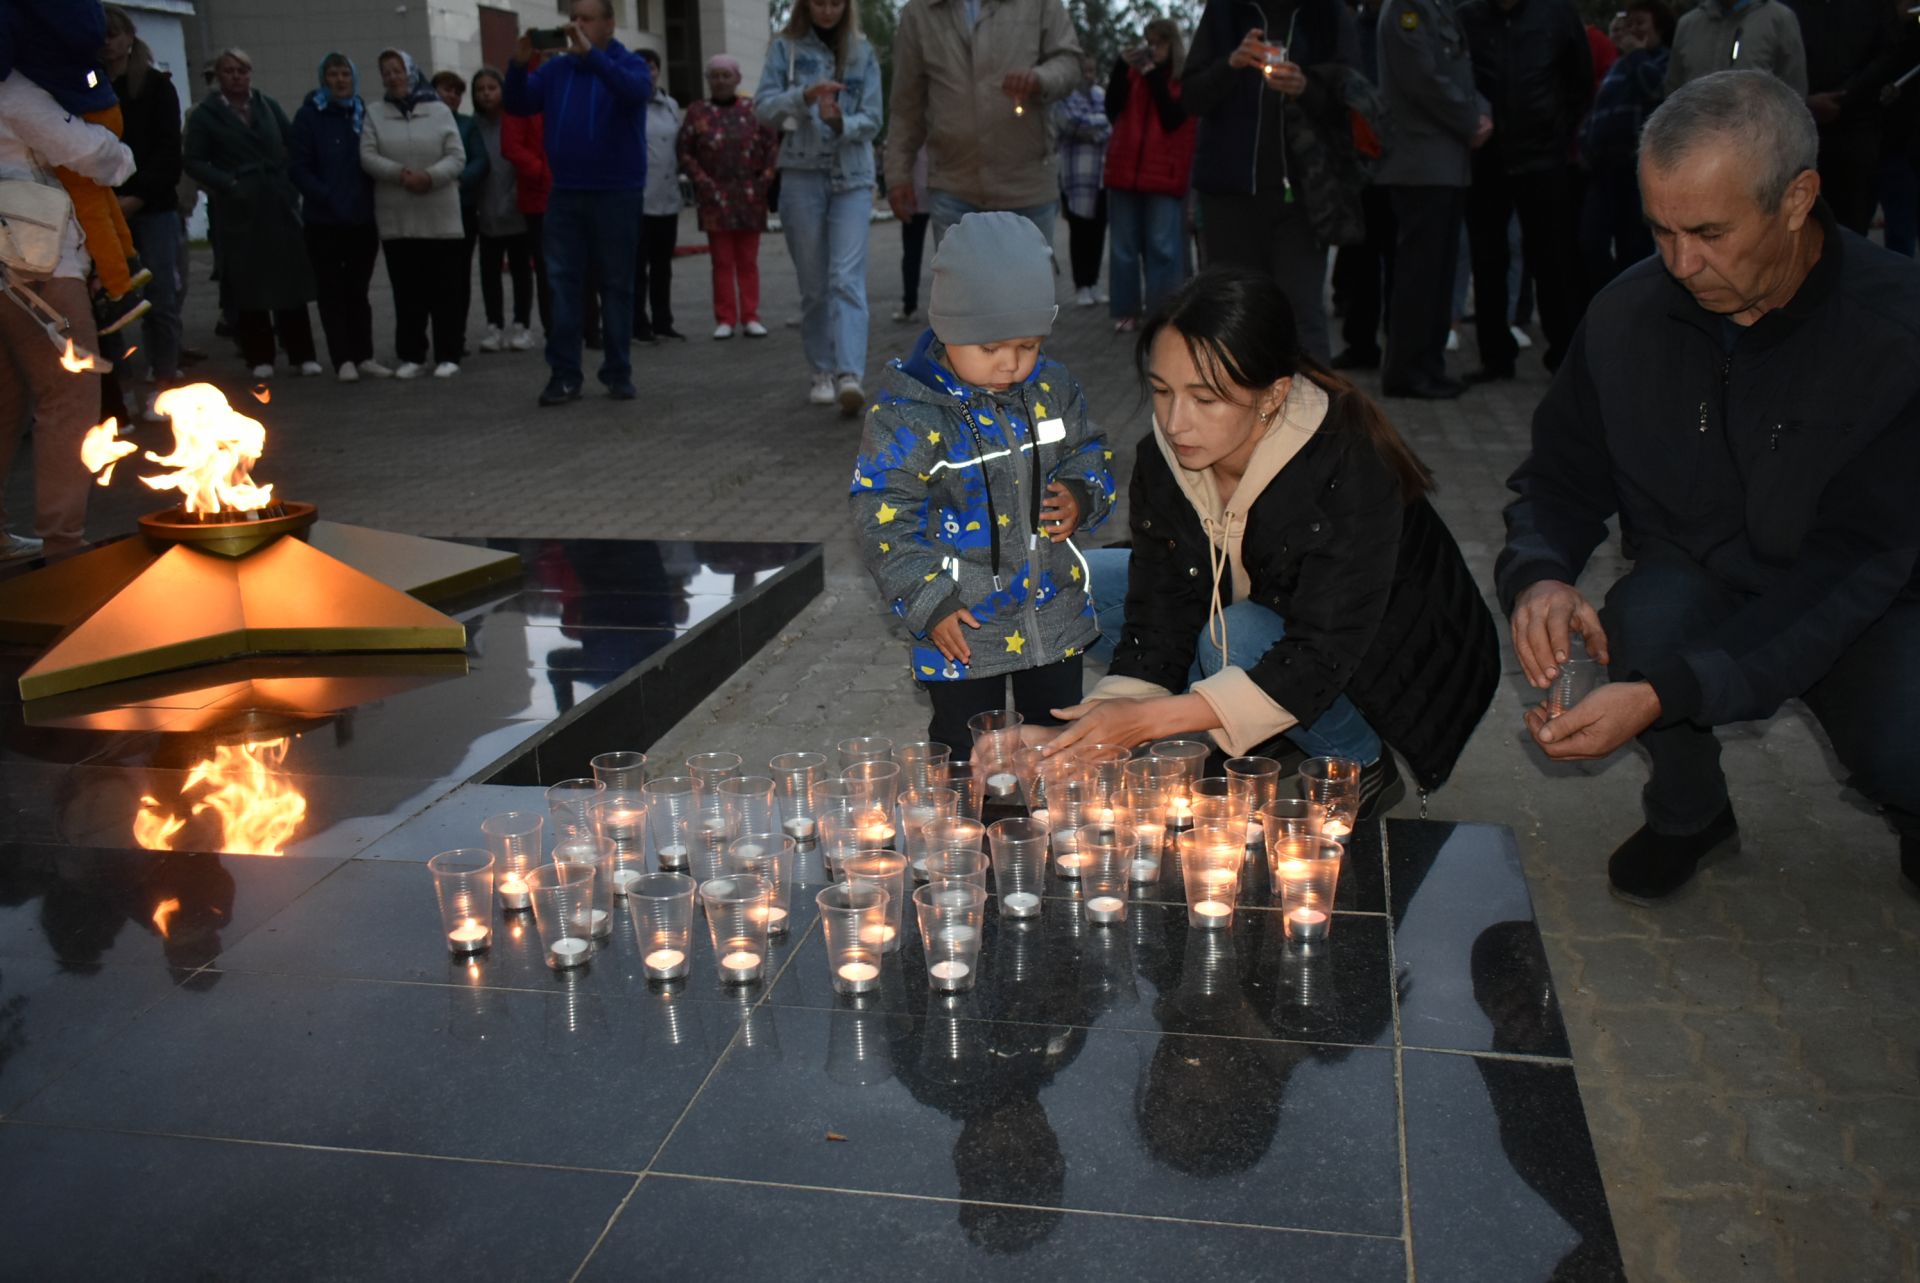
[[848, 154]]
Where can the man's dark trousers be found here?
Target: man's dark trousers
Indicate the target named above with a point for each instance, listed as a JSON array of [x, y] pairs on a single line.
[[591, 239], [1360, 272], [1549, 222], [1868, 703], [1426, 223]]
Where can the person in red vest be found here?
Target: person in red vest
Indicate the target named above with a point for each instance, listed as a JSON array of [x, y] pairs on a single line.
[[1149, 159]]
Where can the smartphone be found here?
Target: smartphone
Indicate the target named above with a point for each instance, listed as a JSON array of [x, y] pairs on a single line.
[[547, 39], [1140, 57]]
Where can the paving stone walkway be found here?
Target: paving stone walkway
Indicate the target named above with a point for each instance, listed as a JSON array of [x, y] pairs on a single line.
[[1747, 1053]]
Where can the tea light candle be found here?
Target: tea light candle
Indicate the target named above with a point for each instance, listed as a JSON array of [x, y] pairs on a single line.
[[776, 920], [673, 857], [1020, 904], [471, 936], [740, 966], [880, 934], [513, 892], [877, 833], [623, 879], [1212, 913], [1336, 828], [800, 830], [1106, 908], [569, 951], [957, 935], [602, 924], [666, 964], [1069, 863], [1001, 783], [1306, 924], [1142, 870], [1180, 814], [949, 973], [714, 824]]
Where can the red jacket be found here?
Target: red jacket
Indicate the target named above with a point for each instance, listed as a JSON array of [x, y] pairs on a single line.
[[1152, 145], [523, 143]]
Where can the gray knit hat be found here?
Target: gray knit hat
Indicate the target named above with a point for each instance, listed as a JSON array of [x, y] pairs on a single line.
[[992, 280]]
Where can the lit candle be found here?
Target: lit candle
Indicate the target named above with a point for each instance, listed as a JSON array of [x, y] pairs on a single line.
[[1019, 108], [714, 824], [1180, 813], [602, 924], [569, 951], [879, 933], [1143, 870], [1070, 863], [673, 857], [1106, 908], [623, 880], [960, 934], [1306, 924], [513, 891], [740, 966], [471, 936], [666, 964], [1336, 828], [949, 973], [1021, 904], [1212, 913], [776, 920], [856, 976], [1001, 783], [800, 830]]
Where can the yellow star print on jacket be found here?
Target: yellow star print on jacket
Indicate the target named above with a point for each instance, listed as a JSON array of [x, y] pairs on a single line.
[[946, 498]]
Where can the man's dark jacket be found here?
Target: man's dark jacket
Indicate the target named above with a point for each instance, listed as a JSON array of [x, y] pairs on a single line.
[[1789, 469], [1378, 602], [1533, 65]]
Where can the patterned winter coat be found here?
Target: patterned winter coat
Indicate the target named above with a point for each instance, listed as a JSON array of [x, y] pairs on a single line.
[[946, 497], [727, 154]]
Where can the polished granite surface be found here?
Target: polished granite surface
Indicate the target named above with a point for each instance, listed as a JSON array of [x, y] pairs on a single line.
[[185, 1039]]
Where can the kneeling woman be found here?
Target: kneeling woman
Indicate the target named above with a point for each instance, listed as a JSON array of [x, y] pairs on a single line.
[[1287, 575]]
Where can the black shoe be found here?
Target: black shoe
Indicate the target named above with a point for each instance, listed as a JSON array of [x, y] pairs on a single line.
[[1488, 374], [667, 332], [1381, 787], [191, 356], [1910, 862], [1551, 358], [643, 334], [558, 392], [622, 391], [221, 330], [1425, 389], [1355, 358], [1650, 866]]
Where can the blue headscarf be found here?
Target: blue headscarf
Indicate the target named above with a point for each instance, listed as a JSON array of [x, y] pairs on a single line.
[[322, 98], [419, 89]]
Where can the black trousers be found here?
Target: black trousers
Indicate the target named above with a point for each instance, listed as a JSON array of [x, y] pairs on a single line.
[[342, 259], [1036, 692], [1087, 242], [518, 254], [470, 236], [1868, 702], [1361, 274], [913, 246], [1426, 251], [1549, 222], [426, 276], [255, 332], [542, 291], [1850, 174], [1271, 234], [653, 272]]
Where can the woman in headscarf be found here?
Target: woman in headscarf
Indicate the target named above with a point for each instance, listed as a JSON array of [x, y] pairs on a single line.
[[728, 156], [342, 241], [238, 146], [411, 146]]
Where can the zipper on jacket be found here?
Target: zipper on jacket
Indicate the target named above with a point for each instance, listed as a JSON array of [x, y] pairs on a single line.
[[1033, 533]]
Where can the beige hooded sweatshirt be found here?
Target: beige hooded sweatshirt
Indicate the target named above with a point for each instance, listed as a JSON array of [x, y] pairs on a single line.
[[1248, 716]]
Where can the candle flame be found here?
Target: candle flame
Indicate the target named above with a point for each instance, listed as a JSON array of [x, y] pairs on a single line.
[[102, 448], [214, 448], [76, 362], [257, 809], [163, 914]]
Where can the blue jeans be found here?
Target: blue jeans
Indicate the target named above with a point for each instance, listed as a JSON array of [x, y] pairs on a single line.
[[1143, 229], [1253, 630], [827, 237], [949, 209], [156, 236], [591, 236]]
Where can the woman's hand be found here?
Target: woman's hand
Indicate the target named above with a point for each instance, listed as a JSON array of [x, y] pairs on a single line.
[[1252, 51], [830, 113], [416, 182], [951, 640], [1286, 78], [1131, 721], [815, 92], [1059, 513]]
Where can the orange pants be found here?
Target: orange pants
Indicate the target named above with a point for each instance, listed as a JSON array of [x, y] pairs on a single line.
[[109, 240]]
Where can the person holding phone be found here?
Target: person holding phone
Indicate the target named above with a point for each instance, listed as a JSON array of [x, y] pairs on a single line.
[[1149, 160]]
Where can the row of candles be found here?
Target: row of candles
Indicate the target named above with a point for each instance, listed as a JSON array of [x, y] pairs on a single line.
[[890, 817]]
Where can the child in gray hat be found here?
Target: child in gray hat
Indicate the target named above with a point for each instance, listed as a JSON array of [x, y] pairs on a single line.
[[977, 467]]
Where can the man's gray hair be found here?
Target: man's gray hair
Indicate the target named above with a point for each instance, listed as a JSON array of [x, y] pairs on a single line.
[[1754, 111]]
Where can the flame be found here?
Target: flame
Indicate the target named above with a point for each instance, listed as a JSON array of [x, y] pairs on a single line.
[[214, 446], [257, 809], [102, 448], [129, 352], [262, 393], [163, 914], [76, 363]]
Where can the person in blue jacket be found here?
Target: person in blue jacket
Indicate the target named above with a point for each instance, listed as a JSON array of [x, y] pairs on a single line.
[[336, 197], [594, 102]]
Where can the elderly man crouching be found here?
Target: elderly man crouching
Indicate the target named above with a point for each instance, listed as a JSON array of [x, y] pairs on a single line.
[[1749, 406]]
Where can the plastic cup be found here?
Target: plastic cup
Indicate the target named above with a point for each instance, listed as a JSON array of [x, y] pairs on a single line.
[[737, 919], [853, 916], [1290, 819], [1253, 782], [920, 811], [463, 883], [1210, 862], [1188, 757], [996, 736], [621, 822], [747, 804], [563, 911], [516, 840], [1578, 679], [863, 748], [1334, 784], [1019, 865], [570, 803], [969, 867], [662, 908], [672, 807], [796, 776], [622, 772], [886, 870], [1307, 874], [708, 771], [951, 917], [768, 856], [923, 764], [879, 779], [598, 856]]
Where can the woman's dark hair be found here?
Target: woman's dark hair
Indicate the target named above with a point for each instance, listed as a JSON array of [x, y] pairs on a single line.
[[449, 80], [1239, 330]]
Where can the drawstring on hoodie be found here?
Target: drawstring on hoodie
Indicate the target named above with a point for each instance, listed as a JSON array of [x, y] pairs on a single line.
[[1219, 540]]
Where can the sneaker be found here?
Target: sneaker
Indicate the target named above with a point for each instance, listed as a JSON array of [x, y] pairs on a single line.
[[755, 330], [490, 341], [851, 395], [1650, 866], [723, 331], [150, 410], [18, 547], [822, 391], [111, 315], [263, 372], [906, 314], [1453, 340], [374, 370], [445, 370], [519, 337], [348, 372], [1381, 787], [311, 369], [1083, 297], [1521, 339], [558, 392], [409, 370], [624, 391]]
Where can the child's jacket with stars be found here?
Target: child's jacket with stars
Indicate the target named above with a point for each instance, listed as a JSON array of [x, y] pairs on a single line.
[[946, 496]]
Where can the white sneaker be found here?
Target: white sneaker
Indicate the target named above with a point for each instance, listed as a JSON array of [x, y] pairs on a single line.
[[1521, 339], [822, 392], [445, 370], [1453, 340], [905, 314], [18, 547], [348, 372], [490, 341], [773, 222], [309, 369], [375, 370], [263, 371], [408, 370], [852, 395], [1084, 297], [723, 331], [150, 411], [755, 330], [519, 337]]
